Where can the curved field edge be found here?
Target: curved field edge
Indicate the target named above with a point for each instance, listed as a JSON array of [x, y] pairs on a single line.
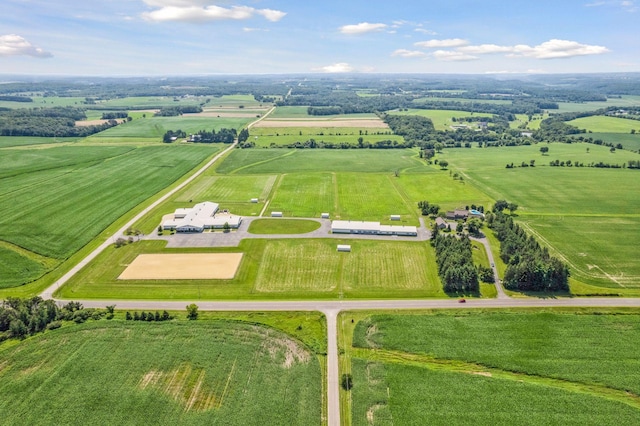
[[473, 368], [182, 372], [35, 287]]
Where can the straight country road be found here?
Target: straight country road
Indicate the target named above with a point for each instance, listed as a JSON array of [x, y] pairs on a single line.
[[331, 309]]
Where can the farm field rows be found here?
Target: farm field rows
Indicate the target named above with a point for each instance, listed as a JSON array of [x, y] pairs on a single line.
[[275, 269], [450, 367], [204, 372], [56, 200]]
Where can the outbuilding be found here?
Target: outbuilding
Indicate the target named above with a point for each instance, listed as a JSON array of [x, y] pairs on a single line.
[[395, 217], [344, 247], [276, 214], [254, 200], [324, 215]]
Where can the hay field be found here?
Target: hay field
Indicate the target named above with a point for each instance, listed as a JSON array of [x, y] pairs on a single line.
[[188, 266]]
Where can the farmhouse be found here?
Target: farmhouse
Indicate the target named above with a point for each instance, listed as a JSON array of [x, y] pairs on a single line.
[[457, 214], [371, 228], [202, 216], [441, 223]]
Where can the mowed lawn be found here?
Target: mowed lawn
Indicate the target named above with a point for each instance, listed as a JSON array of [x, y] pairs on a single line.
[[469, 367], [305, 194], [275, 269], [79, 191], [191, 373]]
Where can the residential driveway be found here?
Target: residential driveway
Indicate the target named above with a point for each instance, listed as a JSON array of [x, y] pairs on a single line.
[[233, 238]]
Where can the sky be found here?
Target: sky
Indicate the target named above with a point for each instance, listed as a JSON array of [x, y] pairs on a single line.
[[200, 37]]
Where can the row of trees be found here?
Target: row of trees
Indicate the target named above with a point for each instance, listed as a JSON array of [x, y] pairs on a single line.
[[20, 318], [113, 115], [529, 266], [148, 316], [455, 263], [175, 111], [428, 209]]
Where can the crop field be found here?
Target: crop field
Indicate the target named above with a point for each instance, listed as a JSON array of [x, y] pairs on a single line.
[[263, 161], [298, 112], [45, 102], [17, 141], [54, 201], [282, 136], [156, 127], [601, 250], [452, 367], [275, 269], [442, 118], [204, 372], [604, 124]]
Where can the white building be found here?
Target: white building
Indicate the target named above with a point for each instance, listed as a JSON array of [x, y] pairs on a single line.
[[371, 228], [202, 216]]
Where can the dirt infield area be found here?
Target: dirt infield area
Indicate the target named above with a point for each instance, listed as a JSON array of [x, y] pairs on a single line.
[[375, 123], [195, 266]]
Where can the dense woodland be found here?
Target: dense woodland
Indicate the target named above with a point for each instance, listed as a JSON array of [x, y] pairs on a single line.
[[50, 122], [455, 264]]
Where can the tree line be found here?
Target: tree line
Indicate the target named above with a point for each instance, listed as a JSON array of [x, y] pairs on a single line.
[[530, 267], [455, 263], [20, 318], [175, 111], [48, 122]]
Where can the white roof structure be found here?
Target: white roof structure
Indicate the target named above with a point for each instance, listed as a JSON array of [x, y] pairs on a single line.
[[375, 228], [202, 216]]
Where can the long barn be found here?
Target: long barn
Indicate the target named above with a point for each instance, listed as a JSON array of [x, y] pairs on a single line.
[[371, 228]]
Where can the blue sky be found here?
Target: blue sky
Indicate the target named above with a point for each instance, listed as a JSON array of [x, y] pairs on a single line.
[[184, 37]]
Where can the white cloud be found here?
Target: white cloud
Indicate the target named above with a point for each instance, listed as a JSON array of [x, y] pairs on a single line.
[[404, 53], [361, 28], [483, 49], [336, 68], [555, 48], [452, 55], [14, 45], [450, 42], [200, 11], [627, 5], [425, 31]]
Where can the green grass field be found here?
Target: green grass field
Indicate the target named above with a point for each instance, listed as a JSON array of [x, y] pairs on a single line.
[[623, 101], [275, 269], [54, 201], [442, 118], [628, 141], [262, 161], [16, 141], [284, 112], [604, 124], [283, 226], [203, 372], [269, 137], [587, 222], [305, 194], [156, 127], [446, 367]]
